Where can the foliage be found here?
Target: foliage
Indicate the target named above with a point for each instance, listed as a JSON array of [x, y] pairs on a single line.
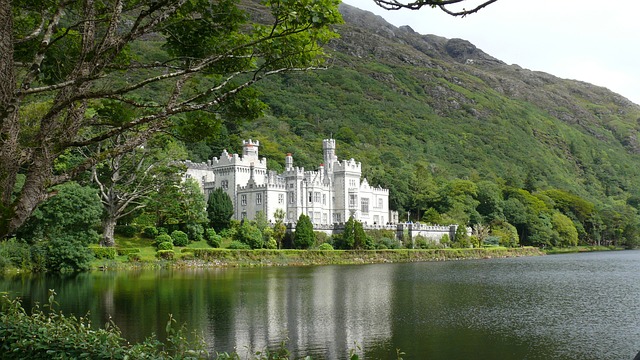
[[249, 234], [166, 245], [126, 230], [237, 245], [165, 254], [15, 253], [219, 209], [195, 232], [73, 212], [179, 238], [100, 252], [213, 239], [150, 232], [279, 228], [83, 84], [67, 253], [127, 251], [303, 237], [325, 246], [162, 238]]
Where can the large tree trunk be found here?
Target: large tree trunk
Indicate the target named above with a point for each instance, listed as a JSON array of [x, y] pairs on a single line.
[[8, 117], [108, 228]]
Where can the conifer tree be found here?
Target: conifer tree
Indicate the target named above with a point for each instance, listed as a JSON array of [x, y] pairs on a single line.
[[219, 210], [304, 236]]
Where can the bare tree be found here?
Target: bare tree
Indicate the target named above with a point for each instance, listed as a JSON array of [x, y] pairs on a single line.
[[58, 58], [444, 5]]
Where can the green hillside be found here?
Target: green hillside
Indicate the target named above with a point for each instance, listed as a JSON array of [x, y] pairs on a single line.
[[422, 111]]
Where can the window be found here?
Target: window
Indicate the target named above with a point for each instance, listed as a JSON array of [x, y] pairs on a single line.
[[258, 198], [310, 196], [243, 215], [336, 217], [364, 205], [243, 200], [225, 184], [324, 218], [376, 219], [280, 198], [353, 198], [324, 199], [292, 197], [316, 197], [380, 203]]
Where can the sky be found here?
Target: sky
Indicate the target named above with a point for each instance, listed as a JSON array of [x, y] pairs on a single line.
[[588, 40]]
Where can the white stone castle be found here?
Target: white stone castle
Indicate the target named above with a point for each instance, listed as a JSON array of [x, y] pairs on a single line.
[[328, 195]]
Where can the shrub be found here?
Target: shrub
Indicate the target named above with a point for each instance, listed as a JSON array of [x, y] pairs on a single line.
[[167, 245], [133, 257], [67, 254], [213, 239], [179, 238], [127, 251], [103, 252], [163, 238], [150, 232], [271, 243], [126, 230], [165, 254], [15, 253], [250, 235], [237, 245], [195, 232], [325, 246]]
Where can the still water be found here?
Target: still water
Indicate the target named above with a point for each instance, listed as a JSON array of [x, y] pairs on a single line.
[[577, 306]]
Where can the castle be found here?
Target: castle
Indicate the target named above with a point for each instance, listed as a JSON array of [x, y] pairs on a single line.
[[328, 195]]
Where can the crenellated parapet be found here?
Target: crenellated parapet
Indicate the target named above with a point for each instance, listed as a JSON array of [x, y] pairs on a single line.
[[348, 165], [227, 159], [196, 166]]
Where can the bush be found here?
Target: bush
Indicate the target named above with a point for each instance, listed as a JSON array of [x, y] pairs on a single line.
[[15, 253], [103, 252], [165, 254], [127, 251], [237, 245], [167, 245], [163, 238], [162, 230], [133, 257], [150, 232], [179, 238], [195, 232], [67, 254], [250, 235], [325, 246], [213, 239], [126, 230]]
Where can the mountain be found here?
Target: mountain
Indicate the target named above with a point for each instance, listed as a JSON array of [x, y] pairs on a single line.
[[403, 102]]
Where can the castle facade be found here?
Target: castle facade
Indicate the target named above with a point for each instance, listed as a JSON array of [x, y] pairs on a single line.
[[328, 195]]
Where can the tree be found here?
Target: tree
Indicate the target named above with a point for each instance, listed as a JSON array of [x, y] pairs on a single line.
[[58, 60], [279, 229], [442, 4], [304, 237], [219, 210], [249, 234], [126, 180], [178, 206]]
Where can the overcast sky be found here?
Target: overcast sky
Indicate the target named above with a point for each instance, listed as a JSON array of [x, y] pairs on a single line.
[[589, 40]]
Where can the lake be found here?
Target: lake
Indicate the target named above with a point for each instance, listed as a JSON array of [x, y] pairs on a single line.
[[574, 306]]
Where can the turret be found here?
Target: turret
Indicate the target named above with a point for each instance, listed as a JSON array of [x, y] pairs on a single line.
[[250, 148], [288, 162], [329, 152]]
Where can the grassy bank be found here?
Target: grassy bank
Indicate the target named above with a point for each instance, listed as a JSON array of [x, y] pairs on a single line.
[[210, 257], [579, 249]]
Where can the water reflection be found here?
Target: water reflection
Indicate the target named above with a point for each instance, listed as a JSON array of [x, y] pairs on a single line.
[[582, 306]]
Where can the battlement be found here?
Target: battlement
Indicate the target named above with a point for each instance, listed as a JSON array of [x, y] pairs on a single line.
[[348, 165], [268, 186], [199, 166], [227, 159]]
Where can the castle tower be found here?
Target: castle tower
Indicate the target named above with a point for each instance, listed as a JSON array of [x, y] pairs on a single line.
[[250, 148], [329, 152], [288, 162]]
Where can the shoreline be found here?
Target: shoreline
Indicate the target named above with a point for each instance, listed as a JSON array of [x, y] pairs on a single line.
[[225, 258]]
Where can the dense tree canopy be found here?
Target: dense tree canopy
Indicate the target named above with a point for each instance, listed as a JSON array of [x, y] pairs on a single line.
[[62, 60]]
